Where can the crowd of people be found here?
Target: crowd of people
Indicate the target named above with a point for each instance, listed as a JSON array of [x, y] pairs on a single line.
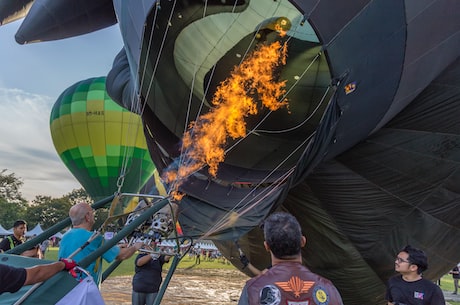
[[277, 284]]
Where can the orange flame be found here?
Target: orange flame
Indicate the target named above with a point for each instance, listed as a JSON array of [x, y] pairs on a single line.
[[235, 99]]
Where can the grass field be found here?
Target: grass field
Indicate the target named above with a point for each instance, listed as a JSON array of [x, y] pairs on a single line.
[[127, 266]]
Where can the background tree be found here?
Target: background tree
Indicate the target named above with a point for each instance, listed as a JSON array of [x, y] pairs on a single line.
[[47, 211], [12, 204], [78, 195]]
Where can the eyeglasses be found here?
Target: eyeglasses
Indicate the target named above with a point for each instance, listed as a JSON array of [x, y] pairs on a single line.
[[401, 260]]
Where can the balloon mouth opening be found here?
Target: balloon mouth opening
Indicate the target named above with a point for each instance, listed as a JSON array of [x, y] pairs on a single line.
[[184, 71]]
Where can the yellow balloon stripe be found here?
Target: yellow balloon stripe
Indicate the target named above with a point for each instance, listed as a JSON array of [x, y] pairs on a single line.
[[130, 133]]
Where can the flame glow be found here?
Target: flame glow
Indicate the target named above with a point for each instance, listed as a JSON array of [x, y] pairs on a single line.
[[236, 98]]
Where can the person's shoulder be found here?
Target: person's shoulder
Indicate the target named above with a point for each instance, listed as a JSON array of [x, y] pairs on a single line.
[[75, 235], [395, 279], [13, 239], [77, 231], [255, 279]]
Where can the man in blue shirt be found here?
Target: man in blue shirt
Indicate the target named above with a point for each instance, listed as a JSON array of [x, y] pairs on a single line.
[[82, 217]]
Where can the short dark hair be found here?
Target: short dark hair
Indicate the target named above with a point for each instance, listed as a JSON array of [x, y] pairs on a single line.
[[19, 222], [416, 257], [283, 235]]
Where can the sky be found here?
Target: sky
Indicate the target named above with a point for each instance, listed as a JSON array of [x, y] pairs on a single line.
[[31, 79]]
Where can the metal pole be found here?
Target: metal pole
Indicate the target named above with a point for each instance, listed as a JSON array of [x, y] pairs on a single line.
[[53, 230], [168, 277], [95, 206], [85, 262]]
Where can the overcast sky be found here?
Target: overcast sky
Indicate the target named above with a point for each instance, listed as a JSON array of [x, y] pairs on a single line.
[[31, 79]]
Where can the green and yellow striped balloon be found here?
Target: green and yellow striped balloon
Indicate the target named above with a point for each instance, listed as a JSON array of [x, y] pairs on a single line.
[[95, 138]]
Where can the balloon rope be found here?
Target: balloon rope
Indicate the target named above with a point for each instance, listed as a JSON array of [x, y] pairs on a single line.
[[249, 205], [227, 219], [136, 108], [149, 47], [182, 160], [157, 61], [301, 123], [255, 130]]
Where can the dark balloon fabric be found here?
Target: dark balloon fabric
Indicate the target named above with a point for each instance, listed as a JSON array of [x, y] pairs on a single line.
[[399, 186], [49, 20], [367, 156], [12, 10], [357, 187]]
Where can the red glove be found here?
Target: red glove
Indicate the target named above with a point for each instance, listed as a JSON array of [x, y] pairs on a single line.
[[69, 263]]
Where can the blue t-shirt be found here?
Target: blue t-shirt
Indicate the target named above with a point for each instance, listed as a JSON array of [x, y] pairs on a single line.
[[74, 239]]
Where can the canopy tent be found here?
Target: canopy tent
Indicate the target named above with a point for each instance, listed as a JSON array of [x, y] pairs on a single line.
[[35, 231], [205, 245], [57, 235], [4, 232]]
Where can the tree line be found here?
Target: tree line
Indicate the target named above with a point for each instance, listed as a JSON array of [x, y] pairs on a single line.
[[45, 210]]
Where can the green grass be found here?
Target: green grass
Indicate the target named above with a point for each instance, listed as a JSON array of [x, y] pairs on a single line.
[[127, 266], [447, 284]]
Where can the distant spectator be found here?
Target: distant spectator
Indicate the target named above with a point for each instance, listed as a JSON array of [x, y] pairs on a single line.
[[197, 255], [44, 247], [455, 276], [18, 237]]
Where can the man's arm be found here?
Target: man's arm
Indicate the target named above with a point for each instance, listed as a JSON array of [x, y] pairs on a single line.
[[143, 260], [34, 252], [126, 253], [41, 273]]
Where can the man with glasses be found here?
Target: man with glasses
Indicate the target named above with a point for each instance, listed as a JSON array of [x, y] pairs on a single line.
[[409, 287]]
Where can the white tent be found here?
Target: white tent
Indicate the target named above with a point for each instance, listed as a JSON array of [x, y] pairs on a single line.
[[35, 231], [206, 245], [4, 232], [57, 235]]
